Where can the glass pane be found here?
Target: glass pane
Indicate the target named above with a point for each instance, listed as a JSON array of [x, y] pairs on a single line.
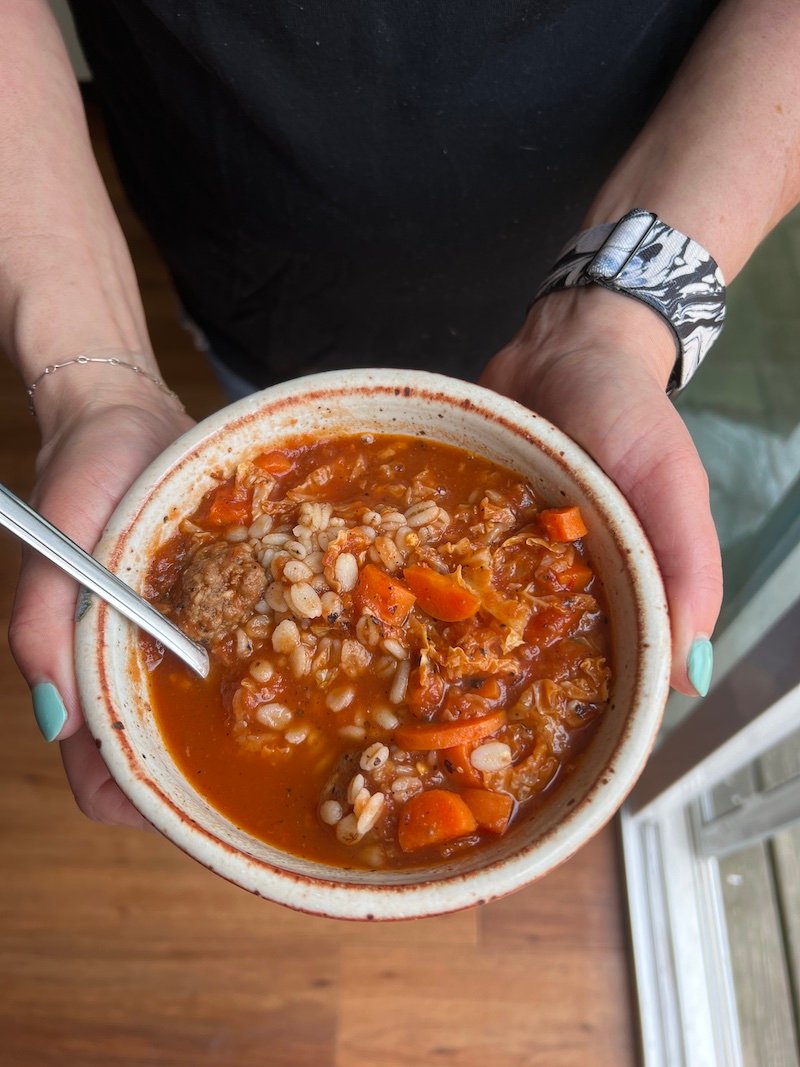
[[743, 411], [743, 406], [778, 765]]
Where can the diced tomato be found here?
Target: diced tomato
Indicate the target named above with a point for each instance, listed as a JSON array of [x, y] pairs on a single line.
[[276, 462], [424, 696], [229, 505], [574, 578], [551, 623]]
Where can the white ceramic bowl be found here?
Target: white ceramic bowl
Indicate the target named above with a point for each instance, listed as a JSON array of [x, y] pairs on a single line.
[[114, 691]]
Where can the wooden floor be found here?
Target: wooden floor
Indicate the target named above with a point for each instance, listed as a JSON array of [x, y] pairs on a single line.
[[116, 949]]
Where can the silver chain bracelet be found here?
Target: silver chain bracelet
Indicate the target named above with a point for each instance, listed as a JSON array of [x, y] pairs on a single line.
[[112, 361]]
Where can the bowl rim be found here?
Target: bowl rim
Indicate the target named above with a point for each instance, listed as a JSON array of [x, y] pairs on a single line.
[[427, 896]]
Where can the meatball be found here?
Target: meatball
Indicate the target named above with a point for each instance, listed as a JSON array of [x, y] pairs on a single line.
[[218, 590]]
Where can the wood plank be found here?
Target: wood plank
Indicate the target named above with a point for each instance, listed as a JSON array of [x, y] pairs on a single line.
[[785, 848], [578, 904], [469, 1008], [778, 765], [763, 995]]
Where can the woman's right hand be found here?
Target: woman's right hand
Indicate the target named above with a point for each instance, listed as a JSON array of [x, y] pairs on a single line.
[[88, 460]]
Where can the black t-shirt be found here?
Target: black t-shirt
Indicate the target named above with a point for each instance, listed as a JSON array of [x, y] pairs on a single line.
[[371, 182]]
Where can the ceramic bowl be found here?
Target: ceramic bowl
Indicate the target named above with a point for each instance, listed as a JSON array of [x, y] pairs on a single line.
[[112, 676]]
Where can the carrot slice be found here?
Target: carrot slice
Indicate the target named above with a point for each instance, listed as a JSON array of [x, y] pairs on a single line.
[[455, 764], [433, 818], [430, 736], [228, 505], [441, 595], [275, 462], [380, 595], [492, 810], [562, 524]]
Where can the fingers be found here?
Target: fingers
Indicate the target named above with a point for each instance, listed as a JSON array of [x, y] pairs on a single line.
[[41, 639], [96, 794], [43, 620], [82, 476]]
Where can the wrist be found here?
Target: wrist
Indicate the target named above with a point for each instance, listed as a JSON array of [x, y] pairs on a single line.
[[77, 387], [591, 318]]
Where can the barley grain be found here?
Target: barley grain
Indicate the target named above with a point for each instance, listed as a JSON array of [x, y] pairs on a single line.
[[491, 756], [352, 733], [394, 648], [330, 811], [235, 534], [262, 670], [332, 606], [304, 600], [244, 646], [260, 527], [275, 596], [347, 830], [368, 631], [286, 636], [374, 757], [346, 571], [296, 549], [397, 692], [296, 571], [361, 801], [338, 699], [370, 813], [300, 661], [355, 787], [385, 718], [276, 716]]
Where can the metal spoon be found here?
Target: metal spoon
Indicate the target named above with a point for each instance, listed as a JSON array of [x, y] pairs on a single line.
[[37, 532]]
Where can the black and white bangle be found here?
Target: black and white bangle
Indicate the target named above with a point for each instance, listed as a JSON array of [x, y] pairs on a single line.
[[642, 257]]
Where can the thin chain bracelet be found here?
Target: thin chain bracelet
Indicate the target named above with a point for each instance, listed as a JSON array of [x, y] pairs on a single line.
[[112, 361]]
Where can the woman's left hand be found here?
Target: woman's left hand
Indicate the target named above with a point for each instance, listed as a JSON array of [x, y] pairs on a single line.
[[596, 365]]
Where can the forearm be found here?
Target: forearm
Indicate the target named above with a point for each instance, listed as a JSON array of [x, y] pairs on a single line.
[[719, 158], [67, 285]]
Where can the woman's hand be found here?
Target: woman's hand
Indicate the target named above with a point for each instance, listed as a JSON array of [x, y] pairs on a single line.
[[86, 464], [596, 365]]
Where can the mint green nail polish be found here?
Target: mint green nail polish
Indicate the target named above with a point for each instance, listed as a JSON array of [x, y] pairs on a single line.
[[700, 665], [48, 707]]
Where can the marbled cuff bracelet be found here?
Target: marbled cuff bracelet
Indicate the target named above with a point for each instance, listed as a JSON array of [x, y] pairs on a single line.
[[642, 257]]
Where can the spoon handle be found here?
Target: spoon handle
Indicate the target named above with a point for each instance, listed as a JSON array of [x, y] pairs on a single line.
[[37, 532]]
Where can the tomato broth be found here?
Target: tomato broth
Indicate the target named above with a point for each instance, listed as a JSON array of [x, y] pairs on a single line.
[[409, 648]]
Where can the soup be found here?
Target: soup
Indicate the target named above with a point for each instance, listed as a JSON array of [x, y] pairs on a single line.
[[409, 648]]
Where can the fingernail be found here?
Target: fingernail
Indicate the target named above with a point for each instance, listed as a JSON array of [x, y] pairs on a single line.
[[700, 665], [49, 710]]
